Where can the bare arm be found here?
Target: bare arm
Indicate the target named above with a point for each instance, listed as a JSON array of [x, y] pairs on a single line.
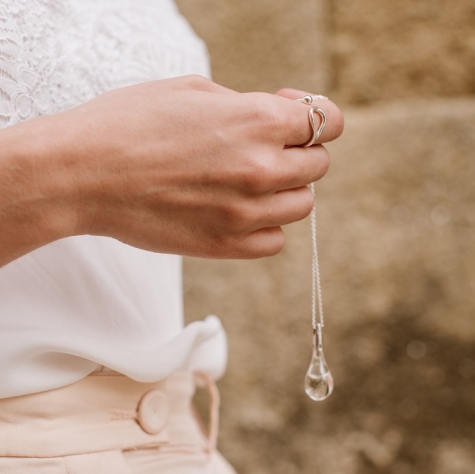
[[176, 166], [35, 206]]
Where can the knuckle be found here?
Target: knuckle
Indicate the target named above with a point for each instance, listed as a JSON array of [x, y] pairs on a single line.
[[275, 248], [198, 83], [236, 246], [223, 247], [308, 202], [323, 161], [266, 112], [285, 91], [338, 122], [269, 249], [266, 243], [275, 243], [260, 175], [240, 216]]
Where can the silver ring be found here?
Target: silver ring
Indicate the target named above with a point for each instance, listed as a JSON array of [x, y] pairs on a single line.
[[317, 131], [309, 99]]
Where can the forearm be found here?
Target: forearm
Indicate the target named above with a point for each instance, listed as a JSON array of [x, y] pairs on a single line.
[[35, 204], [175, 166]]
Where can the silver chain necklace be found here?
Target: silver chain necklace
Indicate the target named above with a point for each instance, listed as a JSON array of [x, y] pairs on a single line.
[[318, 379]]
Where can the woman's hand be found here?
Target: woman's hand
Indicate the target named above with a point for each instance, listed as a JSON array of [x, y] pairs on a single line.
[[176, 166]]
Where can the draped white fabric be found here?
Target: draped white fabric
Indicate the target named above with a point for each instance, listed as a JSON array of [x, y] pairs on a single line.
[[84, 302]]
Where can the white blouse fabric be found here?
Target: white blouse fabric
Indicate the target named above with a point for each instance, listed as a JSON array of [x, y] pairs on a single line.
[[82, 303]]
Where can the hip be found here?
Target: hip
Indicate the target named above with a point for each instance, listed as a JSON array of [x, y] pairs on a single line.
[[108, 423]]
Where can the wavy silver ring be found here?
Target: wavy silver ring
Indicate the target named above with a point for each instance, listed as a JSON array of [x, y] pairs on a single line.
[[317, 131], [309, 99]]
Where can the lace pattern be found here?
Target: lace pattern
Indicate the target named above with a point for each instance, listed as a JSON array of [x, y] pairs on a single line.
[[55, 54]]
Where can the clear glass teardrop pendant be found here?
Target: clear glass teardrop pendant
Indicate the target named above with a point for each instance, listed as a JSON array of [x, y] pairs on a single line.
[[318, 380]]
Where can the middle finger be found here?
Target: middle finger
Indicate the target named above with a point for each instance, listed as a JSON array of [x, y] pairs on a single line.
[[301, 166]]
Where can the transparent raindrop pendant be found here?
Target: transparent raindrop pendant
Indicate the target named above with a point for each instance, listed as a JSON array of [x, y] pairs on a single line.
[[318, 380]]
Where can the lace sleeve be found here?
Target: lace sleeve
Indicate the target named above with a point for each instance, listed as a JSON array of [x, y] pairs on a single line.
[[55, 54]]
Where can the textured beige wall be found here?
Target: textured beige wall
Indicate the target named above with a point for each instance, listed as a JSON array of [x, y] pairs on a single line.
[[361, 51], [409, 48], [396, 236], [262, 45]]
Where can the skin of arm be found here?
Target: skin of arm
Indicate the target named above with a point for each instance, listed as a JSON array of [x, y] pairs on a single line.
[[175, 166]]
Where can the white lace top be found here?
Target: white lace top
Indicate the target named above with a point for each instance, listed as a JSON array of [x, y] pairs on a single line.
[[81, 303]]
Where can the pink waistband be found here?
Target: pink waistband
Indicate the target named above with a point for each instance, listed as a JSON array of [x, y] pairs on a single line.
[[106, 411]]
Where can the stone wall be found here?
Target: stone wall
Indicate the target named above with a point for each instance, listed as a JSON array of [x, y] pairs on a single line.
[[396, 235], [383, 50]]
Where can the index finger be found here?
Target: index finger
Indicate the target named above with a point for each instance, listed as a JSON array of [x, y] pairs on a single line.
[[297, 129]]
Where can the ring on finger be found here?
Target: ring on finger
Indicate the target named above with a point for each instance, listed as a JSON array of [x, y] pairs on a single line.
[[309, 99], [317, 131]]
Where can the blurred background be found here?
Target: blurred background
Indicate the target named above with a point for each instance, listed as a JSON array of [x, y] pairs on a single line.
[[396, 230]]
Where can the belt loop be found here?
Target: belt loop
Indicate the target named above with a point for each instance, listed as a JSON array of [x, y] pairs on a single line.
[[214, 402]]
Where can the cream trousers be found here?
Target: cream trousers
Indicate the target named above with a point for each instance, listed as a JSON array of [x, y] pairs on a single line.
[[110, 424]]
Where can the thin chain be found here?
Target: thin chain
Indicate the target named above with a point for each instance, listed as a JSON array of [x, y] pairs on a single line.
[[316, 283], [317, 323]]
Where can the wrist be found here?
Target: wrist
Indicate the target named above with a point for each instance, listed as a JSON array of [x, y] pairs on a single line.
[[36, 205]]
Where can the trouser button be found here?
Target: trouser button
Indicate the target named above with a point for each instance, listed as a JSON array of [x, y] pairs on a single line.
[[152, 412]]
